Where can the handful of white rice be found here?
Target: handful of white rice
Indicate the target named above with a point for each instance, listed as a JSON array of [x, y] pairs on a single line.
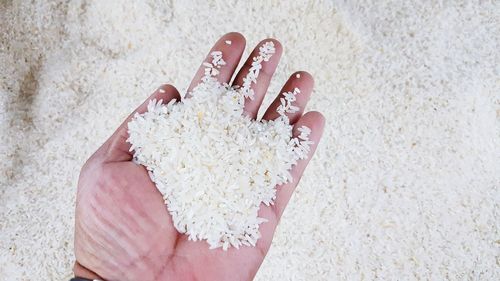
[[213, 165]]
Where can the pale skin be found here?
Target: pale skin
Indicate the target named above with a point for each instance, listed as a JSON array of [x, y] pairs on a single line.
[[123, 230]]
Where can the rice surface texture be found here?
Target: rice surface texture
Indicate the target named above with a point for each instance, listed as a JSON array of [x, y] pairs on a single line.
[[404, 184]]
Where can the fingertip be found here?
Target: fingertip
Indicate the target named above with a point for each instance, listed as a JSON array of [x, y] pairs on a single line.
[[316, 117], [234, 39], [304, 77], [166, 92], [315, 121], [231, 45], [302, 80], [168, 88], [277, 44], [278, 48], [304, 83]]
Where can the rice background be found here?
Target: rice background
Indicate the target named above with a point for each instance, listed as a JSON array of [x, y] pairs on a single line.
[[404, 184]]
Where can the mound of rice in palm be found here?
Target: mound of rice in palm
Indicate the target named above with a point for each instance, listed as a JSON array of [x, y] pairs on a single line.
[[214, 165]]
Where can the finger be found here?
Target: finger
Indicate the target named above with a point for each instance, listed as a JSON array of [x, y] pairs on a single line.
[[116, 148], [265, 73], [316, 122], [232, 46], [300, 80]]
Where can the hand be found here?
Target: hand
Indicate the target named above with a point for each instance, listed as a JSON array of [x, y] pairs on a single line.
[[123, 230]]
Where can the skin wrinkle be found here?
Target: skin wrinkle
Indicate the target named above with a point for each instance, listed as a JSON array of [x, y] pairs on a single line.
[[87, 247], [132, 220], [163, 267], [113, 266], [105, 238], [147, 255], [135, 205], [79, 266], [132, 208], [119, 228], [141, 259], [85, 232], [106, 224], [133, 199], [86, 229], [136, 263], [175, 268], [146, 259]]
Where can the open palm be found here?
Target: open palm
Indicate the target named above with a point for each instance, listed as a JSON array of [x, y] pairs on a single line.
[[123, 230]]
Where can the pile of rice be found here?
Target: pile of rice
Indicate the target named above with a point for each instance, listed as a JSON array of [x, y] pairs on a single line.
[[214, 165]]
